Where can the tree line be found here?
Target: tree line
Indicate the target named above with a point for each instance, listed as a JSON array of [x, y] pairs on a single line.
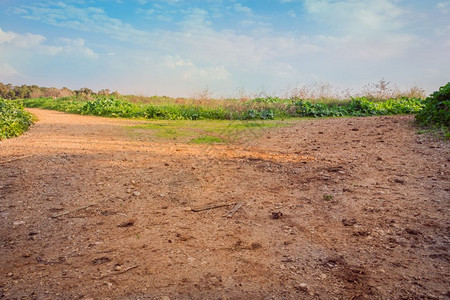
[[8, 91]]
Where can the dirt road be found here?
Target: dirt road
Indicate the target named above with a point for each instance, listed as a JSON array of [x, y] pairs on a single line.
[[348, 208]]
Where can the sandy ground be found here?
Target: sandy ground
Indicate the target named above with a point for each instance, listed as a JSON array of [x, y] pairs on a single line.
[[347, 208]]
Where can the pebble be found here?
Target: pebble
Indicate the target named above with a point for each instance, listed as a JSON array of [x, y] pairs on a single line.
[[136, 193], [303, 287], [18, 223], [118, 268]]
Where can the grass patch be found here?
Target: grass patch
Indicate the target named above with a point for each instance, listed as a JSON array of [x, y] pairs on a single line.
[[14, 120], [204, 131], [207, 139]]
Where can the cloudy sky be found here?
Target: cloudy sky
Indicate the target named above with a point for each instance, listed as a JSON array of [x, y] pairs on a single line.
[[180, 47]]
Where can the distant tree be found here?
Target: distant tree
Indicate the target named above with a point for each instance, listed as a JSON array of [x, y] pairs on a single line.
[[3, 90], [65, 92], [104, 92], [52, 92], [36, 91], [84, 92], [115, 94], [22, 92], [11, 94]]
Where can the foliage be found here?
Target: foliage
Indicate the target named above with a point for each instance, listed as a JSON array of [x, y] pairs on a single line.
[[437, 109], [253, 109], [111, 107], [358, 107], [14, 120]]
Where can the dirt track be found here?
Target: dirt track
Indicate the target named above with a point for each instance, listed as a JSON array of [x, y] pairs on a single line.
[[364, 203]]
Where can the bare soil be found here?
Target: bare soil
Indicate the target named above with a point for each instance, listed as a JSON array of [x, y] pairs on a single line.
[[346, 208]]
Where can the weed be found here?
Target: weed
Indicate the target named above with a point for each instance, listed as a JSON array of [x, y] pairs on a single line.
[[327, 197]]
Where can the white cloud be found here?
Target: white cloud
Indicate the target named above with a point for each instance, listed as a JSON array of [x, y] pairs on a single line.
[[8, 72], [357, 16], [241, 8], [444, 7], [35, 43], [21, 41]]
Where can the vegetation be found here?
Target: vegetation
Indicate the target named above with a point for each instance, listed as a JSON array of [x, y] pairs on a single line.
[[8, 91], [14, 120], [203, 131], [436, 111], [259, 108]]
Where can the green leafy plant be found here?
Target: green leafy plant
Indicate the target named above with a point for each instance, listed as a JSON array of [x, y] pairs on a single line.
[[437, 109], [14, 120]]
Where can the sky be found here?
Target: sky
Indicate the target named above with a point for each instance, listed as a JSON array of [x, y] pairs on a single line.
[[180, 48]]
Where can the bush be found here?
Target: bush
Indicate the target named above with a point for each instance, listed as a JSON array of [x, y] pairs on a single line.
[[111, 107], [14, 120], [437, 109]]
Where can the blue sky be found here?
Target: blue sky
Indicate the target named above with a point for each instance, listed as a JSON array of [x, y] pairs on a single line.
[[178, 48]]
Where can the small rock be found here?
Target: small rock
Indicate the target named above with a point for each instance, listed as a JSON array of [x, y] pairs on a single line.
[[302, 287], [17, 223], [412, 231], [126, 224], [118, 268], [277, 215], [10, 275], [165, 298], [129, 191], [255, 246], [136, 193], [349, 222]]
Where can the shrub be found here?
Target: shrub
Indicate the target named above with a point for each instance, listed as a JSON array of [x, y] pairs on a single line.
[[437, 108], [14, 120], [111, 107]]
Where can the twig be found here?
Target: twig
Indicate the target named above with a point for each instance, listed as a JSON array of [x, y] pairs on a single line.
[[77, 209], [211, 206], [231, 212], [118, 273], [14, 159]]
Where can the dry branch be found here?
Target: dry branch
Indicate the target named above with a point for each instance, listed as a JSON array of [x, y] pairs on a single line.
[[14, 159], [232, 211], [211, 206], [118, 273], [77, 209]]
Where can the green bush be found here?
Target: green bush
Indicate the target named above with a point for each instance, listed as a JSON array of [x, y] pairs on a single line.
[[14, 120], [437, 109], [111, 107]]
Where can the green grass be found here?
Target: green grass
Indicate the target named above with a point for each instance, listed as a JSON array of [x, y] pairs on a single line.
[[14, 120], [207, 139], [204, 131]]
